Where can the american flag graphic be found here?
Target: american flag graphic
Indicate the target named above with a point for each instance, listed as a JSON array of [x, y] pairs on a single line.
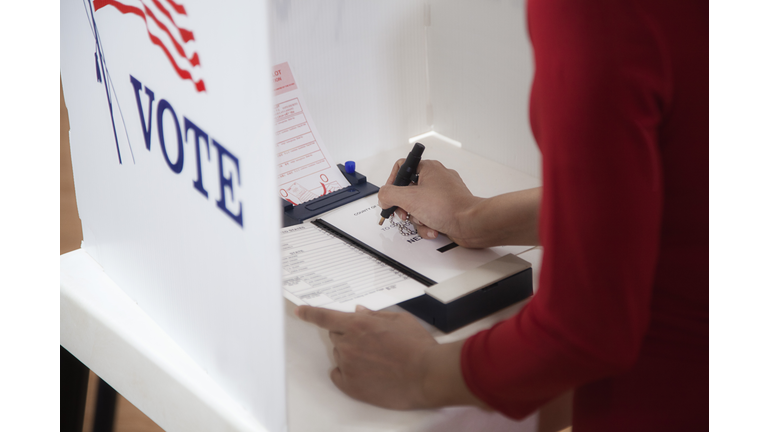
[[168, 27]]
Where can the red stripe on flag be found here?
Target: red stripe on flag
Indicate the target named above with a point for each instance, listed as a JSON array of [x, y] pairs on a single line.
[[186, 35], [126, 9], [98, 4], [183, 73], [177, 7], [176, 44]]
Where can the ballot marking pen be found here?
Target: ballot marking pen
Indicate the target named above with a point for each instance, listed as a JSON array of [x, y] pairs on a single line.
[[405, 175]]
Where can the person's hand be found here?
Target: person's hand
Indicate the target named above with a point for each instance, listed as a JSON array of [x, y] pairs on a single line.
[[441, 202], [389, 360], [380, 356], [438, 203]]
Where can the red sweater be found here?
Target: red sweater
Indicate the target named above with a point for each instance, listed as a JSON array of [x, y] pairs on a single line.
[[619, 107]]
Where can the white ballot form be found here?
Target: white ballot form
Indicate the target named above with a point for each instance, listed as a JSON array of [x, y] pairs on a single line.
[[335, 262], [319, 269], [438, 259]]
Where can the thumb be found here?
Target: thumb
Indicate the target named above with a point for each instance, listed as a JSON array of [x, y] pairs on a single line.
[[363, 309]]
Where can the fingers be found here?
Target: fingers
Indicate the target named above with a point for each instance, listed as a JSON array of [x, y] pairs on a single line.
[[424, 231], [324, 318], [426, 166], [399, 196], [340, 323], [334, 337], [341, 381], [337, 378], [385, 201], [405, 216], [393, 174]]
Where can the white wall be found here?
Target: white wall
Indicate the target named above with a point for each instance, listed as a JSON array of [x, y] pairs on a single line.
[[361, 66], [481, 68], [375, 73]]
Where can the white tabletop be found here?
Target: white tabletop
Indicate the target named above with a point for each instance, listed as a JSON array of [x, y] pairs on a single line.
[[111, 335]]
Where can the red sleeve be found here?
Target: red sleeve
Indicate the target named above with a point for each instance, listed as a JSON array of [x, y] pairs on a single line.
[[596, 104]]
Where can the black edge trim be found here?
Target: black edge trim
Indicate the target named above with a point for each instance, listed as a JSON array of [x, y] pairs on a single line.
[[413, 274]]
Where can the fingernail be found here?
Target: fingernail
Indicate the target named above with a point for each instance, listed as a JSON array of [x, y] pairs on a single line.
[[432, 234], [361, 308]]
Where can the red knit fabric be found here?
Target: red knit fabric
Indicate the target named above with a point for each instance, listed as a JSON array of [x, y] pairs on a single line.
[[619, 107]]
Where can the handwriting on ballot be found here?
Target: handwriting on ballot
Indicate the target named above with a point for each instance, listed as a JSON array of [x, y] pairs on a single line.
[[305, 169], [438, 259], [405, 229]]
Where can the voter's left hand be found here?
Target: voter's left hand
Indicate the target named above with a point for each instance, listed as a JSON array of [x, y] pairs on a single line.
[[380, 356]]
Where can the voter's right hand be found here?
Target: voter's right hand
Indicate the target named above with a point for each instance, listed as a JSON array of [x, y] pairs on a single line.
[[439, 202]]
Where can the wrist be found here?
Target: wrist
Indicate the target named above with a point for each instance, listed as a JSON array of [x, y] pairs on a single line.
[[469, 220], [443, 382]]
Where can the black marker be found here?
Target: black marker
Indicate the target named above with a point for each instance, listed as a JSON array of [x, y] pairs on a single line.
[[405, 175]]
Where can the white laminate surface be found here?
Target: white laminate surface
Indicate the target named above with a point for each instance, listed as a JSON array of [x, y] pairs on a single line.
[[315, 404]]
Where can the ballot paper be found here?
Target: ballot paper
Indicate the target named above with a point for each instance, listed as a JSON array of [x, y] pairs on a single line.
[[438, 259], [304, 166], [348, 259], [320, 269]]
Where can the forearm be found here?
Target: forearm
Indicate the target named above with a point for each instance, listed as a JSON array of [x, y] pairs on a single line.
[[508, 219], [443, 383]]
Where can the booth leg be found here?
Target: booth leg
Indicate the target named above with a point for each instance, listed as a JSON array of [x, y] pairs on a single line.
[[104, 419], [73, 388]]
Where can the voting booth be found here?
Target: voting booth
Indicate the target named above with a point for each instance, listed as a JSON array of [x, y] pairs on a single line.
[[173, 121]]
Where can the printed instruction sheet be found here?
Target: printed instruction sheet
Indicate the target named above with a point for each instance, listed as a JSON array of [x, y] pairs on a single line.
[[304, 166], [438, 259], [322, 270]]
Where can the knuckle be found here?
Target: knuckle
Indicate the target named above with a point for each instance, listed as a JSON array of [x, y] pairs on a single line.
[[334, 337], [337, 377]]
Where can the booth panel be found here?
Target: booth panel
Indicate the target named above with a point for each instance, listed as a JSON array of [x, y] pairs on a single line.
[[174, 168], [480, 72], [361, 66]]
